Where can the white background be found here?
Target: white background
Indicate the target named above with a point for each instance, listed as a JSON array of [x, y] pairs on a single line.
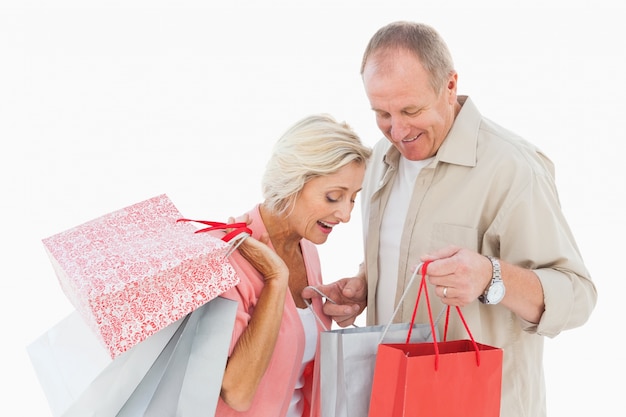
[[106, 103]]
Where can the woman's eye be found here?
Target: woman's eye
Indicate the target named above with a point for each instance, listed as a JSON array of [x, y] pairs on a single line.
[[334, 197]]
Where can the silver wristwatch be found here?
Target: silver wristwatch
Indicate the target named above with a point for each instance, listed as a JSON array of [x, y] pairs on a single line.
[[495, 291]]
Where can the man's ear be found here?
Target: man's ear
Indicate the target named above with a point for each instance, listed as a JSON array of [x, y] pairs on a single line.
[[451, 86]]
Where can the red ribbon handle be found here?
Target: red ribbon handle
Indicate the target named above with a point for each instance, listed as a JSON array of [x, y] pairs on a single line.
[[238, 228], [424, 287]]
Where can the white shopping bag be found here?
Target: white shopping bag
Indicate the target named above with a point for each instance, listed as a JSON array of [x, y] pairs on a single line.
[[186, 379], [76, 371], [347, 361]]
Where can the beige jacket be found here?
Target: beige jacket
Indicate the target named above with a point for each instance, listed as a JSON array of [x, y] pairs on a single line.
[[490, 191]]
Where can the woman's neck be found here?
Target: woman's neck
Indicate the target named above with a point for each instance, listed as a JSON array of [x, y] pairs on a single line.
[[281, 234]]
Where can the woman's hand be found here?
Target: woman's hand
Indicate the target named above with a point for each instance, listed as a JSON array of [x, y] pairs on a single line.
[[264, 259], [261, 256]]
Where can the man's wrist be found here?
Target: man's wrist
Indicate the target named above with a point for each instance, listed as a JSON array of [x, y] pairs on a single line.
[[494, 293]]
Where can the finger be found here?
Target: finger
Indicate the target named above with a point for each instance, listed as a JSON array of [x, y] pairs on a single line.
[[240, 219], [353, 289], [318, 291], [346, 322], [445, 252], [443, 292], [341, 311]]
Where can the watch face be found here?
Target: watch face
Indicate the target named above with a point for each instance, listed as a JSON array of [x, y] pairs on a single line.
[[496, 293]]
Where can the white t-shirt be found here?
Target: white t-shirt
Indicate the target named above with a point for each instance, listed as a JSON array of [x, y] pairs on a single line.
[[310, 333], [390, 234]]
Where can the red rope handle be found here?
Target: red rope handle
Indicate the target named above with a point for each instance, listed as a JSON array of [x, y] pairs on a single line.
[[458, 309], [424, 287], [445, 329], [238, 228]]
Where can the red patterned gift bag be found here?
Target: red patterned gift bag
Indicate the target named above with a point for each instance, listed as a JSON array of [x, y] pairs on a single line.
[[134, 271]]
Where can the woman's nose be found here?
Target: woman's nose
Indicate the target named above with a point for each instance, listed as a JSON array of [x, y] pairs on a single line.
[[343, 214]]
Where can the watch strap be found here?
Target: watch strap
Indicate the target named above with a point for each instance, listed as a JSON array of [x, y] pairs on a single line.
[[496, 275]]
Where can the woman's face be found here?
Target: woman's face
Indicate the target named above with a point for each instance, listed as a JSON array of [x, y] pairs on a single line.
[[326, 201]]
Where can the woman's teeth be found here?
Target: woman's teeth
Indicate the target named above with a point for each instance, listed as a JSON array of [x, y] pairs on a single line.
[[325, 224]]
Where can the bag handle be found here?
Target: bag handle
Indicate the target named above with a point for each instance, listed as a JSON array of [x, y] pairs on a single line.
[[238, 228], [424, 287], [310, 306], [395, 312], [240, 231]]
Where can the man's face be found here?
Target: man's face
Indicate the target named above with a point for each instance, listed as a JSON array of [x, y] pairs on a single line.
[[409, 112]]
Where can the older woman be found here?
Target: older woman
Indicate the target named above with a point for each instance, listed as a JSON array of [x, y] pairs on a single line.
[[309, 187]]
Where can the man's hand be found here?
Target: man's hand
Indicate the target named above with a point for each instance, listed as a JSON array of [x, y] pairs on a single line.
[[346, 299], [459, 275]]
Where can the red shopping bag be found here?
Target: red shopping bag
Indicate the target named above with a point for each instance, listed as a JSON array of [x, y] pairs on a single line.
[[444, 379]]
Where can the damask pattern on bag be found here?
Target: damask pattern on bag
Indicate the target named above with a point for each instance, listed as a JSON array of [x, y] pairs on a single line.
[[132, 272]]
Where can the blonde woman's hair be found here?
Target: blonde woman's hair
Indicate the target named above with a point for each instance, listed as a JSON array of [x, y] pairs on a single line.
[[315, 146], [418, 38]]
